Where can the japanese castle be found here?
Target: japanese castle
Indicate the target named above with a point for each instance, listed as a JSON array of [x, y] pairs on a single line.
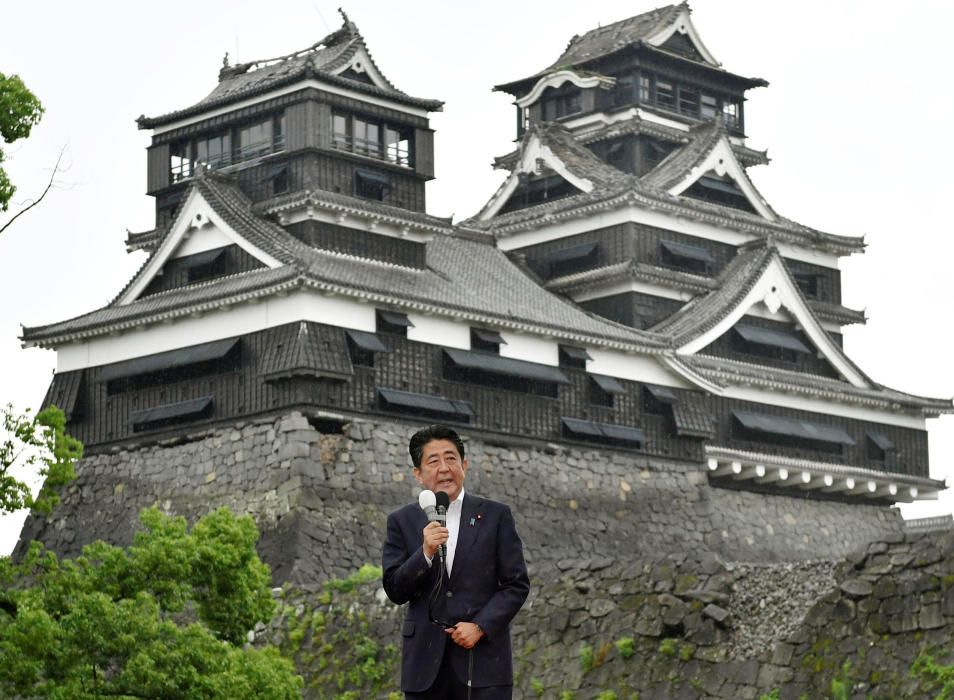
[[626, 288]]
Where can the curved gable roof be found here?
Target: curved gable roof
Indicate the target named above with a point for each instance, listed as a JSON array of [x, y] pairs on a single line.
[[325, 59]]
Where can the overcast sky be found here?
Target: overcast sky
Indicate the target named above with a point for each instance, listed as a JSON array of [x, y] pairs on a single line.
[[855, 119]]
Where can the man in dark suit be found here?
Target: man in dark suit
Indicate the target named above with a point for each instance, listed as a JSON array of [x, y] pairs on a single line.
[[457, 643]]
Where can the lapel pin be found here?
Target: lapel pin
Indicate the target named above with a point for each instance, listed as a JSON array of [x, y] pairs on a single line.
[[472, 521]]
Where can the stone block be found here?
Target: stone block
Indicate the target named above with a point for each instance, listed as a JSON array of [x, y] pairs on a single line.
[[931, 617], [856, 588], [719, 614]]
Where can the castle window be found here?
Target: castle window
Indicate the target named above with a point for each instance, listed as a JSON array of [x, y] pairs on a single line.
[[497, 372], [560, 102], [658, 400], [689, 101], [808, 283], [572, 259], [371, 185], [362, 346], [709, 107], [392, 322], [214, 151], [573, 358], [182, 364], [768, 342], [206, 265], [732, 113], [425, 405], [482, 340], [622, 94], [645, 85], [279, 178], [665, 94], [685, 256], [227, 147], [654, 151], [383, 141], [724, 191], [254, 140], [789, 432], [181, 165], [880, 448], [602, 432], [171, 414], [601, 390], [397, 146]]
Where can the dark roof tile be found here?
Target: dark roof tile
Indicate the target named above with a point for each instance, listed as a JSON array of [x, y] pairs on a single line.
[[258, 77]]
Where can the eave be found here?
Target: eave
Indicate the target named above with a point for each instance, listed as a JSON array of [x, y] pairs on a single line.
[[725, 372], [801, 477], [680, 208], [144, 122]]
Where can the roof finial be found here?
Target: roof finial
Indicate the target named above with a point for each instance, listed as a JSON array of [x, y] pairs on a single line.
[[225, 60]]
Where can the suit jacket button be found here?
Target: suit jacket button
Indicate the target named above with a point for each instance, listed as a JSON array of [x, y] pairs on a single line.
[[450, 594]]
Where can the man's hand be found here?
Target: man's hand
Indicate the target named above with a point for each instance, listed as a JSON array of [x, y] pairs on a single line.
[[434, 537], [466, 634]]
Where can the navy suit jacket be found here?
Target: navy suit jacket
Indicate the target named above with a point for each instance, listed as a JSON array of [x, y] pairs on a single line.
[[487, 586]]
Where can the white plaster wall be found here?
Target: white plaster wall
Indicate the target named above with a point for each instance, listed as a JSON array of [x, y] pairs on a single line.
[[208, 238], [439, 331], [216, 325], [527, 347]]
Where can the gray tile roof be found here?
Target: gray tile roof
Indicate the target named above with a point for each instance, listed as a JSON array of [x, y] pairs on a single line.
[[466, 277], [603, 41], [356, 205], [321, 59], [692, 416], [733, 283], [630, 271], [577, 157], [618, 35], [616, 189], [307, 349], [724, 371]]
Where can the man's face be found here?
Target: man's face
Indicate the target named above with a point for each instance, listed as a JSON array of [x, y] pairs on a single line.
[[441, 468]]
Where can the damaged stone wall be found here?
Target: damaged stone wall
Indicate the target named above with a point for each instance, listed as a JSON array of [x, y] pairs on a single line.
[[679, 627], [647, 581]]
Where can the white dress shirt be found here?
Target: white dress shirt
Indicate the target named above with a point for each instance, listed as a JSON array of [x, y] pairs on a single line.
[[453, 526]]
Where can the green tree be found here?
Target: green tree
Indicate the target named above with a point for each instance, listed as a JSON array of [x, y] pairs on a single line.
[[163, 618], [28, 441], [20, 110]]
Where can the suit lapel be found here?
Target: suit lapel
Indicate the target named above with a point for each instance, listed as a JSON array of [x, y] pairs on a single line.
[[467, 534]]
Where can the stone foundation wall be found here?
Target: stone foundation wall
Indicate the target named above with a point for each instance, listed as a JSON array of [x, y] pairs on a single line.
[[321, 499], [679, 627]]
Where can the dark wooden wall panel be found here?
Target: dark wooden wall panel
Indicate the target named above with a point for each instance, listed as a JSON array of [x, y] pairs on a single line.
[[417, 367], [424, 152], [363, 244], [158, 171], [810, 363], [912, 444]]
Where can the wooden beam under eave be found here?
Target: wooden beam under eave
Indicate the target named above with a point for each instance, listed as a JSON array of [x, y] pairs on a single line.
[[774, 475], [754, 471], [810, 481], [839, 485]]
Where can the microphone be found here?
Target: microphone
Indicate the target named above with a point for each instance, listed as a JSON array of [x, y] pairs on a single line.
[[443, 502], [428, 503], [435, 507]]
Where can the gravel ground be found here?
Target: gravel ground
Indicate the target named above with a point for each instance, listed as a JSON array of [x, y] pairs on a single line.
[[769, 601]]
